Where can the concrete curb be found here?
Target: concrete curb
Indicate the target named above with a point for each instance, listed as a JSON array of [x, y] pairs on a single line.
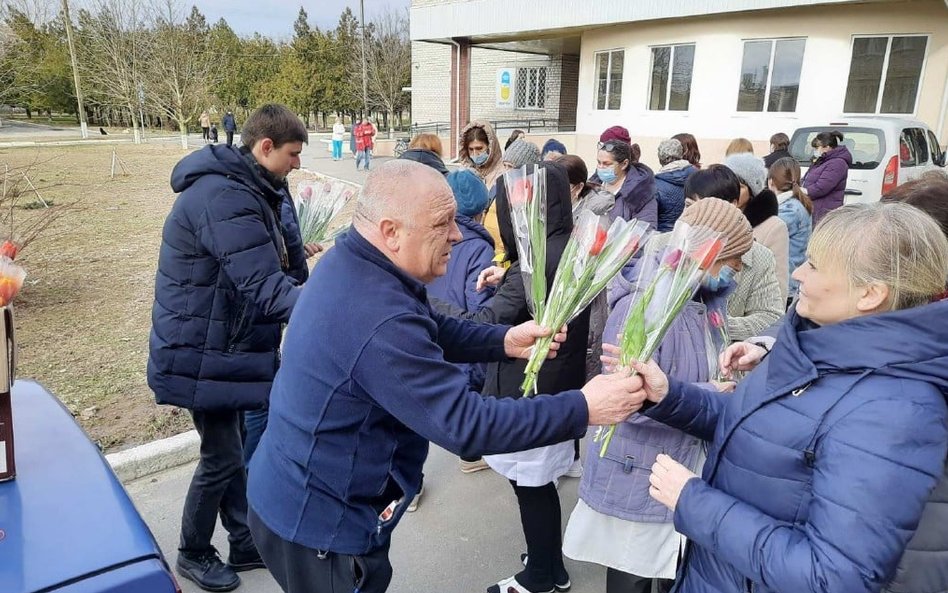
[[155, 456]]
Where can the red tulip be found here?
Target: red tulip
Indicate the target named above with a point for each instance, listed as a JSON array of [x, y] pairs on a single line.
[[600, 241], [708, 253], [9, 249], [521, 192]]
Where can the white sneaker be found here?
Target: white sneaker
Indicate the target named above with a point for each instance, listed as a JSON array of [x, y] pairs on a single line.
[[413, 506], [575, 470]]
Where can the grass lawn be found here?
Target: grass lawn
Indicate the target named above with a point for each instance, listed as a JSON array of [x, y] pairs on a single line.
[[84, 313]]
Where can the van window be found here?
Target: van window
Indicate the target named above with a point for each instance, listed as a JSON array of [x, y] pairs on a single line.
[[867, 145], [937, 154], [908, 151], [921, 145]]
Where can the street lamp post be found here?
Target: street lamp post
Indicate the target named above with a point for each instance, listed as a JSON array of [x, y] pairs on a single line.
[[83, 128]]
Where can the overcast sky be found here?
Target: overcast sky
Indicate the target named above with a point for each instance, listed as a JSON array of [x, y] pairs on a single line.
[[275, 19]]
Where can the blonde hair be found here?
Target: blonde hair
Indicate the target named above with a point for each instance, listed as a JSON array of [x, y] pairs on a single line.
[[738, 146], [888, 243], [427, 142]]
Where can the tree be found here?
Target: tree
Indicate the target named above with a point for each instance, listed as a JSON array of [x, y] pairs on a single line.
[[181, 65], [34, 64], [389, 60], [113, 47]]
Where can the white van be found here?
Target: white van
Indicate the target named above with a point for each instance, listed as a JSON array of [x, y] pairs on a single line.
[[887, 151]]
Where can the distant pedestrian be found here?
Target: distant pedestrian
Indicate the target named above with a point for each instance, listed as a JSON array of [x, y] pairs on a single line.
[[620, 173], [690, 147], [825, 181], [514, 136], [670, 183], [205, 126], [230, 126], [795, 210], [779, 144], [739, 146], [552, 150], [427, 150], [365, 135], [212, 134], [338, 133]]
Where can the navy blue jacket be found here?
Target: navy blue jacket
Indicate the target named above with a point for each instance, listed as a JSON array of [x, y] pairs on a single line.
[[670, 195], [426, 157], [473, 253], [222, 291], [229, 123], [821, 462], [636, 197], [367, 380]]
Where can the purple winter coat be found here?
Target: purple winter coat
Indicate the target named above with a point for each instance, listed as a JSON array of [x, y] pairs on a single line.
[[825, 182], [617, 484], [636, 197]]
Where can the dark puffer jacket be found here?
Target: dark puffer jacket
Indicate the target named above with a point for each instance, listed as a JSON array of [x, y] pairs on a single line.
[[636, 197], [509, 305], [821, 462], [670, 195], [222, 291]]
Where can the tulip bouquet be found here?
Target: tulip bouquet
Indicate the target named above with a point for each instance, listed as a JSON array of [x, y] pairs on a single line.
[[11, 280], [681, 263], [317, 204], [526, 192], [593, 256]]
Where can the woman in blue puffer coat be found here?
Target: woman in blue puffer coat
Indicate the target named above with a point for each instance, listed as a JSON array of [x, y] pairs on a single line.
[[823, 459]]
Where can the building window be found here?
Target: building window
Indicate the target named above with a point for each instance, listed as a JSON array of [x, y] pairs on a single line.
[[609, 77], [884, 74], [531, 88], [674, 62], [770, 75]]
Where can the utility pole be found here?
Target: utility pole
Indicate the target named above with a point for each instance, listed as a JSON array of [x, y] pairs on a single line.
[[365, 83], [83, 128]]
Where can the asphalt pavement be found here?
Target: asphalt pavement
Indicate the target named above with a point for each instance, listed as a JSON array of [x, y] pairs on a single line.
[[465, 535]]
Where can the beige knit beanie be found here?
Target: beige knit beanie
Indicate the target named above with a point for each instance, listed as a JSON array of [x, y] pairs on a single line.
[[725, 218]]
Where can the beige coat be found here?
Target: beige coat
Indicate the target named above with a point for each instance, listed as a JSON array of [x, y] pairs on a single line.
[[490, 172], [756, 303], [205, 120], [773, 234]]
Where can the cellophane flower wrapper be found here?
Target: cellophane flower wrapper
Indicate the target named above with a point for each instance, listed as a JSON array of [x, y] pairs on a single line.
[[526, 193], [717, 340], [680, 263], [11, 280], [595, 253], [317, 204]]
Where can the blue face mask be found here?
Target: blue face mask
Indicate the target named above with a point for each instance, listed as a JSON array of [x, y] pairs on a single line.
[[607, 175], [480, 159], [723, 279]]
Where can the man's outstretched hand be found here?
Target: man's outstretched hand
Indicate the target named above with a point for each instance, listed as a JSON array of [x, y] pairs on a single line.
[[519, 341]]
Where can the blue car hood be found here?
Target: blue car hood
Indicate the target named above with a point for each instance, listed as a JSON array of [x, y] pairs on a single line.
[[65, 516]]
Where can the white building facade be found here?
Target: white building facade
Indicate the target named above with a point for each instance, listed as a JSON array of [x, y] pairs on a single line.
[[716, 69]]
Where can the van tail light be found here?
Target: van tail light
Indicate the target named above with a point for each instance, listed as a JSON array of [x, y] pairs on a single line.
[[890, 178]]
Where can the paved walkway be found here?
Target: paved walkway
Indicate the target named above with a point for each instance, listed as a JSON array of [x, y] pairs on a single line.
[[465, 535]]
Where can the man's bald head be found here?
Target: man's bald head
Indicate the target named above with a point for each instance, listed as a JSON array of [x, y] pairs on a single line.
[[399, 189]]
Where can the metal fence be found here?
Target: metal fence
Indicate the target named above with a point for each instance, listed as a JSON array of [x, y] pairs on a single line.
[[527, 125]]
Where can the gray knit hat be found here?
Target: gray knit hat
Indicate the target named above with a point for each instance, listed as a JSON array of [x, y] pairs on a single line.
[[725, 218], [522, 153], [750, 169], [670, 150]]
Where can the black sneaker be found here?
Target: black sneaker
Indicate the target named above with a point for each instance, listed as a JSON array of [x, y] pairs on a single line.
[[245, 560], [562, 584], [207, 571]]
